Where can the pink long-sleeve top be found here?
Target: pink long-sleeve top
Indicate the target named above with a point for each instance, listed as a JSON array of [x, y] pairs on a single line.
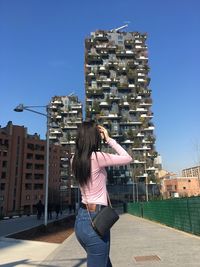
[[95, 191]]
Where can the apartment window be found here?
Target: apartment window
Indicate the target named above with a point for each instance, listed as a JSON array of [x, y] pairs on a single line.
[[30, 146], [39, 166], [39, 147], [38, 186], [39, 176], [29, 156], [4, 164], [6, 143], [5, 153], [3, 175], [28, 175], [28, 186], [3, 186], [39, 157], [29, 166]]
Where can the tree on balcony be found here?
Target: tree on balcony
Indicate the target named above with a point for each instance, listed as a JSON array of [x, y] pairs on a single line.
[[130, 134], [96, 107]]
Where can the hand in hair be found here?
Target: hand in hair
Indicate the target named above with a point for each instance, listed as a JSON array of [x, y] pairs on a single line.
[[104, 133]]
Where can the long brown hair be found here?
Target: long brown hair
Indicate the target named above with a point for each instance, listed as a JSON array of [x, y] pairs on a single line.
[[88, 140]]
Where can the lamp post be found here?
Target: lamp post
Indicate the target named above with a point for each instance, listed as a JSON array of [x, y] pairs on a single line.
[[21, 108], [146, 177]]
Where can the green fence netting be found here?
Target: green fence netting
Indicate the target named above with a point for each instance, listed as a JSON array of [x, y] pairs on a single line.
[[179, 213]]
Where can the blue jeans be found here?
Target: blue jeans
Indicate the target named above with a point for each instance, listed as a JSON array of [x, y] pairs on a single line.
[[97, 248]]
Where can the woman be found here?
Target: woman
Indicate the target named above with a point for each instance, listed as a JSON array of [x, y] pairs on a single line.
[[88, 166]]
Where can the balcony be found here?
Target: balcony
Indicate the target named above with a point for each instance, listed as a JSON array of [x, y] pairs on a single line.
[[149, 115], [104, 104], [114, 98], [94, 59], [52, 137], [127, 142], [150, 128], [138, 110], [130, 123], [142, 58], [145, 148], [131, 85], [124, 87], [146, 104], [138, 162], [110, 116], [76, 107], [101, 37], [67, 142], [94, 92], [138, 41], [69, 127], [57, 102]]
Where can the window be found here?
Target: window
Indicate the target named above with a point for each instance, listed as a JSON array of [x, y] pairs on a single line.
[[189, 181], [184, 187], [29, 156], [39, 176], [39, 147], [3, 187], [38, 186], [28, 186], [3, 175], [30, 146], [29, 166], [39, 157], [28, 175], [4, 164], [39, 166]]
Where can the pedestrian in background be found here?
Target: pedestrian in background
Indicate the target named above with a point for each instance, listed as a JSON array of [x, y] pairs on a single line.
[[88, 166], [40, 208], [57, 210]]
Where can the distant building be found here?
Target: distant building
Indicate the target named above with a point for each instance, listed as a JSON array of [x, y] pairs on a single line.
[[180, 187], [191, 172], [22, 170], [66, 116], [118, 96]]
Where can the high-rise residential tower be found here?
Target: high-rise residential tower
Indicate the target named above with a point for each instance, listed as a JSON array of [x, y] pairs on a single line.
[[66, 116], [118, 96]]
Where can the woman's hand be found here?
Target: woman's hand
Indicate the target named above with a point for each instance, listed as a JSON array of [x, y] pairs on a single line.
[[104, 133]]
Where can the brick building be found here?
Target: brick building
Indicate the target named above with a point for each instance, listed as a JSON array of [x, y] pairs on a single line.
[[22, 170], [180, 187]]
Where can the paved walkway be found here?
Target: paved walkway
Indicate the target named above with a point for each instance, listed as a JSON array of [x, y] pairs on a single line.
[[135, 242]]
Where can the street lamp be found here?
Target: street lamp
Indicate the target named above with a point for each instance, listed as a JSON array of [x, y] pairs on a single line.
[[21, 108]]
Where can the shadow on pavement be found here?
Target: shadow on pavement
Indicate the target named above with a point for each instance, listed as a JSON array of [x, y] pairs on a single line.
[[63, 262]]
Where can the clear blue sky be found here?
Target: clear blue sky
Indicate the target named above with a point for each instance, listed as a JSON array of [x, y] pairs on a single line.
[[42, 55]]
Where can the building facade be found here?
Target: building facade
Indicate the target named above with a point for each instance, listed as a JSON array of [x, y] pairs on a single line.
[[118, 96], [191, 172], [22, 170], [66, 115], [180, 187]]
